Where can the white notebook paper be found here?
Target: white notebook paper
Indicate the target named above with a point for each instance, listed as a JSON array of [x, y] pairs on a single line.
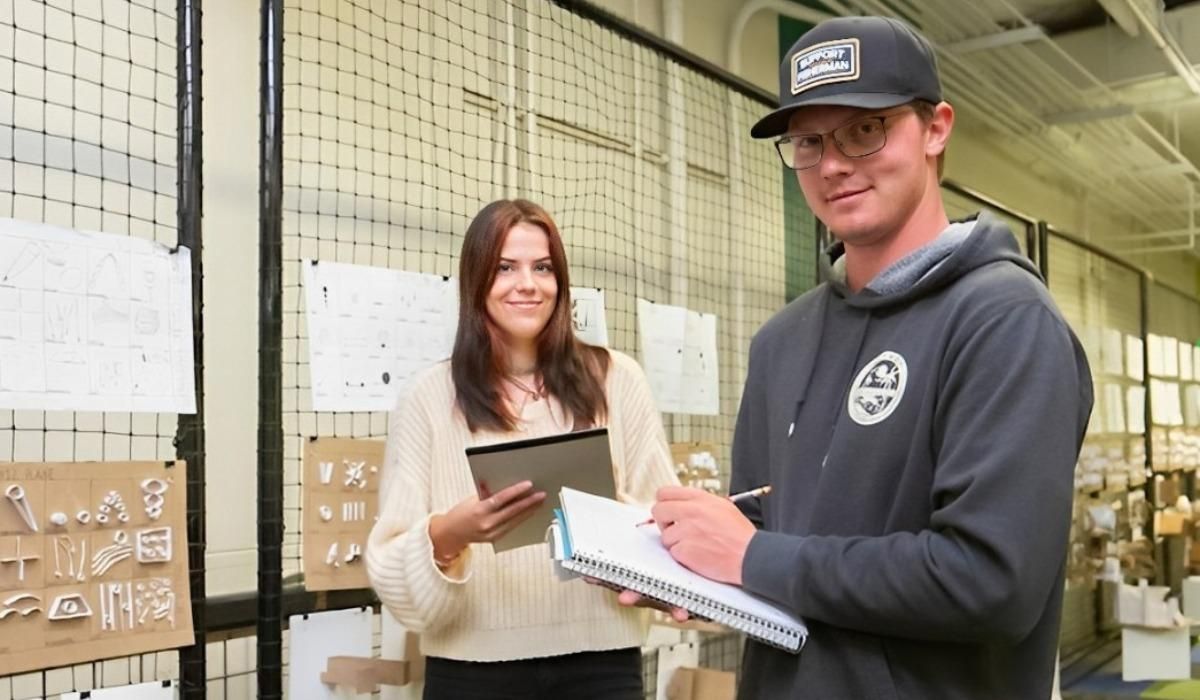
[[599, 537]]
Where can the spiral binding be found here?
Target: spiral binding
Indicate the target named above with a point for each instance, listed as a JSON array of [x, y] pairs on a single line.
[[666, 592]]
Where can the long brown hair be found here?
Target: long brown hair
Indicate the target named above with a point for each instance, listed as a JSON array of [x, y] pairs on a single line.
[[571, 370]]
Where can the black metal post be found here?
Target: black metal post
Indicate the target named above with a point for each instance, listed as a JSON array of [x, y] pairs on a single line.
[[189, 436], [1147, 418], [270, 339], [1043, 248], [820, 242], [1031, 243]]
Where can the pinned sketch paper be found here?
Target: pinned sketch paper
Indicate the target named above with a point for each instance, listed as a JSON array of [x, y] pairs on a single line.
[[317, 636], [370, 329], [1154, 355], [587, 315], [1134, 358], [1114, 408], [1112, 352], [1135, 409], [93, 322], [1191, 406], [700, 374], [157, 690], [1165, 405], [670, 660], [679, 355], [1170, 357]]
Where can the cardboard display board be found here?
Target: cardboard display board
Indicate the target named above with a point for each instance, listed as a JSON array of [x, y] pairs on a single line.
[[93, 562], [341, 503]]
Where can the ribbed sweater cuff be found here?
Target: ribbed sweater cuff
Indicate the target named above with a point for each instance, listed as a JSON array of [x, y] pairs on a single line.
[[409, 568]]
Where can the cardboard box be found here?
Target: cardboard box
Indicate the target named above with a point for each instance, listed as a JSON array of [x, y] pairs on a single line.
[[1148, 606], [1155, 654], [702, 684], [1168, 522], [1166, 491]]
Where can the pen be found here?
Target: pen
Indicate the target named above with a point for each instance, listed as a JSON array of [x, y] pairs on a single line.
[[752, 493]]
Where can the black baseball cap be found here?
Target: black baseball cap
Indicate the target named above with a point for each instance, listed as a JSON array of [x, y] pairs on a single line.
[[868, 62]]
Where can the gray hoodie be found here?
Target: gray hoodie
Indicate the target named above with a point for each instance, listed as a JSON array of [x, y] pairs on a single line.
[[921, 437]]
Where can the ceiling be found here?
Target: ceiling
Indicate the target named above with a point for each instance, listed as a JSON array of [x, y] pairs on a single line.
[[1110, 87]]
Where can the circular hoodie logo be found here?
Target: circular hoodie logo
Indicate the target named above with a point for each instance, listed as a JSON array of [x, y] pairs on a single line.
[[878, 388]]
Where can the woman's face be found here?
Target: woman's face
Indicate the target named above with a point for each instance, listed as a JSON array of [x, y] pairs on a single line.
[[525, 290]]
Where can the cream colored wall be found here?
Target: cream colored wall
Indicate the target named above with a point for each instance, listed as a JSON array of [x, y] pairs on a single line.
[[230, 118]]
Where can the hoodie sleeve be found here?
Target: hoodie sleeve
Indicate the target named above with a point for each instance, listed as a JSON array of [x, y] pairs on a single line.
[[399, 553], [1011, 413]]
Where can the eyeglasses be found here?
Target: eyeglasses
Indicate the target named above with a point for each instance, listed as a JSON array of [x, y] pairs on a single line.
[[858, 139]]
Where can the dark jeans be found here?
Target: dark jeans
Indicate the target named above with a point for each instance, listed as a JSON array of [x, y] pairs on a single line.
[[591, 675]]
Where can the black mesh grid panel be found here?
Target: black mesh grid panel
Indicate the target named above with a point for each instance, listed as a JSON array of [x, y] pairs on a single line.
[[1097, 296], [88, 142], [401, 120]]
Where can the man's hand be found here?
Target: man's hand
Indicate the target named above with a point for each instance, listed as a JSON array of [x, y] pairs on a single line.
[[633, 599], [704, 532]]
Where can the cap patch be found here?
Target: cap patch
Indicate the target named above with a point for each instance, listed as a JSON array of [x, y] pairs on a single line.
[[827, 62]]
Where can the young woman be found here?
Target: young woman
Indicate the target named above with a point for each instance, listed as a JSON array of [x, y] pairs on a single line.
[[500, 625]]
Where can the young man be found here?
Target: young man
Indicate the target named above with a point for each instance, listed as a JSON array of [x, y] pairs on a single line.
[[918, 414]]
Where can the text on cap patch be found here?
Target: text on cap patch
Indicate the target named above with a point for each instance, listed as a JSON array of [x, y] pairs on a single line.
[[827, 62]]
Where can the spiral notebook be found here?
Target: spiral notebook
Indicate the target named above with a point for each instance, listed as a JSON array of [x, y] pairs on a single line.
[[599, 537]]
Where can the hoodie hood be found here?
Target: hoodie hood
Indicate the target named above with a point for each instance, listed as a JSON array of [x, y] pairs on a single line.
[[962, 247]]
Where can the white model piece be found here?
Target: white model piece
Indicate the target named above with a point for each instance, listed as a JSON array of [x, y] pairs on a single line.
[[64, 547], [153, 497], [16, 496], [115, 598], [332, 557], [353, 553], [355, 475], [83, 517], [11, 606], [69, 606], [325, 470], [58, 518], [154, 545], [326, 513], [156, 600], [19, 560], [108, 557]]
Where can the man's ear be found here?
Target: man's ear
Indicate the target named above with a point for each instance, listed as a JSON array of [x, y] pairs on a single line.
[[939, 129]]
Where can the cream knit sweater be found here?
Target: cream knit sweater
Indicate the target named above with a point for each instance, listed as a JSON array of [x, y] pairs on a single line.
[[488, 606]]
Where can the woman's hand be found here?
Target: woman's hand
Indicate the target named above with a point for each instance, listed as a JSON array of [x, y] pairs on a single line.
[[487, 520]]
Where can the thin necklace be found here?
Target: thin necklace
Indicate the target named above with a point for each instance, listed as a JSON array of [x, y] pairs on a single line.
[[530, 394]]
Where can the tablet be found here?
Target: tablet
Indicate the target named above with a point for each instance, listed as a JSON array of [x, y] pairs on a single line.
[[579, 460]]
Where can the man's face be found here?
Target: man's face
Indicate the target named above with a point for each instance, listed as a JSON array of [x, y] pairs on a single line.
[[868, 199]]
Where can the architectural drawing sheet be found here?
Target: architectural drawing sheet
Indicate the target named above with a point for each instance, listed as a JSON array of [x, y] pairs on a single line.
[[93, 322], [679, 355], [370, 329], [587, 315]]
